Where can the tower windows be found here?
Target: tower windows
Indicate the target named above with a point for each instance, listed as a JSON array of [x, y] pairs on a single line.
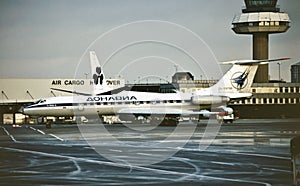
[[261, 2]]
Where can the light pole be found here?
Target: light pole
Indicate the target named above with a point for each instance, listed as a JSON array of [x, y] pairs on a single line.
[[86, 74], [176, 68], [279, 71]]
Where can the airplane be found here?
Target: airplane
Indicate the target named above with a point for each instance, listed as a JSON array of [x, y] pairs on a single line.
[[168, 107]]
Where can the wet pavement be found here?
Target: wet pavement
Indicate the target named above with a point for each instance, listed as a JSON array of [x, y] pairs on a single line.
[[247, 152]]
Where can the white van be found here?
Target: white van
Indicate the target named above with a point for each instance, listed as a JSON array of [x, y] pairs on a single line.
[[227, 118]]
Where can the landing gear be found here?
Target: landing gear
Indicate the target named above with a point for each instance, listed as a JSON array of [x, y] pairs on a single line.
[[169, 122], [144, 119], [48, 124], [44, 120], [153, 119]]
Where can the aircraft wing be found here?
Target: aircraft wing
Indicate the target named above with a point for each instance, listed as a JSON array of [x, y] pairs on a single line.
[[161, 111], [71, 92], [249, 62], [110, 92]]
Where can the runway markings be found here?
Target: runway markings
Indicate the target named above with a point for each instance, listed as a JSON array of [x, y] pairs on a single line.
[[252, 154], [145, 154], [239, 153], [60, 139], [159, 171], [5, 131], [78, 169], [32, 128], [89, 148], [264, 155], [223, 163], [11, 136], [114, 150], [279, 170], [42, 132], [186, 161]]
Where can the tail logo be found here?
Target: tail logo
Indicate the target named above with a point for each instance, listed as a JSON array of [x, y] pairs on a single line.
[[98, 76], [239, 80]]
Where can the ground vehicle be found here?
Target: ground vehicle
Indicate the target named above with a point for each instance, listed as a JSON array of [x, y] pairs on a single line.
[[226, 118]]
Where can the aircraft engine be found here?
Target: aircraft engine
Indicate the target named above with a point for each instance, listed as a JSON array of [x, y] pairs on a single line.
[[209, 100], [205, 115]]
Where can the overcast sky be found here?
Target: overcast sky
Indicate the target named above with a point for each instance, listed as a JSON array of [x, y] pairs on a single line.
[[48, 39]]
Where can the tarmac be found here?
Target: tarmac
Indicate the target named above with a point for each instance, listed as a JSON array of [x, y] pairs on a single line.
[[247, 152]]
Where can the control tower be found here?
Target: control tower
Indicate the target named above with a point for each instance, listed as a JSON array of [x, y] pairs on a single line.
[[261, 18]]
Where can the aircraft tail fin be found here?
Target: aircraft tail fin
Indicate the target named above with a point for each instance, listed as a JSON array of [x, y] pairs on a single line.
[[239, 78], [99, 81]]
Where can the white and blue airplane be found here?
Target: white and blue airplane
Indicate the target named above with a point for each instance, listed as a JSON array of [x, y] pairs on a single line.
[[130, 105]]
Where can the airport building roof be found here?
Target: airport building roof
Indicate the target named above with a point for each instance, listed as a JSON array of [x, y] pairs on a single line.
[[296, 64]]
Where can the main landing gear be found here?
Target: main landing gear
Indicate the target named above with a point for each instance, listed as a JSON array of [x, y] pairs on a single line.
[[168, 120]]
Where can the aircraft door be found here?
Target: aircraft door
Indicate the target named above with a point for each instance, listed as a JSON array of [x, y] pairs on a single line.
[[81, 107]]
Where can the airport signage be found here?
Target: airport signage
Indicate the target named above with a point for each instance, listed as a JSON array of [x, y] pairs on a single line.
[[113, 82], [66, 82]]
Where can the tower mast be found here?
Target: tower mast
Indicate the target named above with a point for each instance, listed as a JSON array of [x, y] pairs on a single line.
[[261, 18]]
